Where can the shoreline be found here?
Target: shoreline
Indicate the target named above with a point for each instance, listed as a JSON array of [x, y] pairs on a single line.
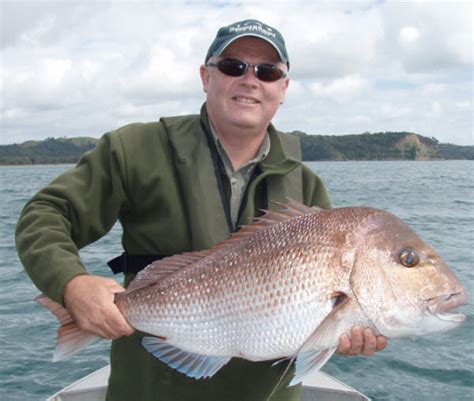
[[304, 161]]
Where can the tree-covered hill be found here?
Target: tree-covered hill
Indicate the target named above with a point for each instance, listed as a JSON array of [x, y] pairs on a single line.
[[366, 146], [456, 152], [48, 151]]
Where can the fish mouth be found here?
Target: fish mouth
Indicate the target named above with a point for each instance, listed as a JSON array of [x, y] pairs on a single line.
[[441, 305]]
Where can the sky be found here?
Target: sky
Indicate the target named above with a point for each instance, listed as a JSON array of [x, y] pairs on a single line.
[[83, 68]]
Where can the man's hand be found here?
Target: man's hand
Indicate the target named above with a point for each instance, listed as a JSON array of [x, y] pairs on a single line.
[[90, 301], [361, 342]]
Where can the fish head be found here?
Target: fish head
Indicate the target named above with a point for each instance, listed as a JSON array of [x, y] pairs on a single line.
[[401, 283]]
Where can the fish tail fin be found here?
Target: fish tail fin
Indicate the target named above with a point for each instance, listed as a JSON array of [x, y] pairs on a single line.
[[71, 338]]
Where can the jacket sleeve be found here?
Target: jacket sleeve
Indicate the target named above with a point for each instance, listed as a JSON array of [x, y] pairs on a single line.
[[314, 191], [74, 210]]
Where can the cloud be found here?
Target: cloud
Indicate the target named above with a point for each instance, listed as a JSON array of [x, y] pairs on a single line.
[[86, 67], [323, 44], [432, 36], [408, 35], [342, 88]]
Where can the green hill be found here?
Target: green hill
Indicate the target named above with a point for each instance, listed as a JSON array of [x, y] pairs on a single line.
[[48, 151], [379, 146], [456, 152], [366, 146]]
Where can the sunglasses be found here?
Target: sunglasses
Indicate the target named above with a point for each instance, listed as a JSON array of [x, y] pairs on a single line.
[[236, 68]]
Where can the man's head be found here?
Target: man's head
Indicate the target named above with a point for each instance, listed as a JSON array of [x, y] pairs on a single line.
[[244, 77]]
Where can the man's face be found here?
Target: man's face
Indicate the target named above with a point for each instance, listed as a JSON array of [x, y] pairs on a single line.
[[244, 102]]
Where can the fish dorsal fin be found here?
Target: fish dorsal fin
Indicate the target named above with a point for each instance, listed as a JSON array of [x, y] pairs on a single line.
[[192, 365], [164, 267], [160, 268], [271, 217]]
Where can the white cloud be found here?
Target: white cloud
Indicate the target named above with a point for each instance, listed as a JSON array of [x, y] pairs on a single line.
[[323, 44], [409, 34], [430, 89], [342, 88], [83, 68], [465, 105], [432, 36]]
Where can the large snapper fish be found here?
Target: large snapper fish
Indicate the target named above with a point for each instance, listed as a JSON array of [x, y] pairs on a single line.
[[285, 287]]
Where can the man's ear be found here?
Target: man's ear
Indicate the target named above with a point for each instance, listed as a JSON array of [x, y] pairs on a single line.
[[284, 89], [204, 72]]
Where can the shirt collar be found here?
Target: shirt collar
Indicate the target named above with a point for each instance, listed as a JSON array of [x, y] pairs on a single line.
[[261, 154]]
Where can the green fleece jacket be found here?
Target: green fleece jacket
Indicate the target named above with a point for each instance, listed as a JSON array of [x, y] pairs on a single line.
[[158, 179]]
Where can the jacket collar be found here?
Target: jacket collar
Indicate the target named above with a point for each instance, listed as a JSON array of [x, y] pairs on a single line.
[[278, 160], [200, 189]]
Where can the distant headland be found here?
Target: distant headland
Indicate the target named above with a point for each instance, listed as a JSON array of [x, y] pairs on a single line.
[[380, 146], [366, 146]]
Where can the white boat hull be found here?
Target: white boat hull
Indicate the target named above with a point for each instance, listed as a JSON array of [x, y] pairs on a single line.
[[316, 387]]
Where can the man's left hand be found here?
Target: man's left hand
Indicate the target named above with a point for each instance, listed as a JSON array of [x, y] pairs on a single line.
[[361, 341]]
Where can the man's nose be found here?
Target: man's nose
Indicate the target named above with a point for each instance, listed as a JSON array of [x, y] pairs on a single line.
[[249, 76]]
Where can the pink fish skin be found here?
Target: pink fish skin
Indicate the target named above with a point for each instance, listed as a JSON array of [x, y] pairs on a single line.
[[287, 286]]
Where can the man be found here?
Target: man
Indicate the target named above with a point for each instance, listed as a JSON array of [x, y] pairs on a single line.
[[180, 184]]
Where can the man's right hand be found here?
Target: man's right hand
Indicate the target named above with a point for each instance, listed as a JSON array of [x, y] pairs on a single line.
[[90, 301]]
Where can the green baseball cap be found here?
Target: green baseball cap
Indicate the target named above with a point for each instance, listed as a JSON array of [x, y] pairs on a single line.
[[249, 27]]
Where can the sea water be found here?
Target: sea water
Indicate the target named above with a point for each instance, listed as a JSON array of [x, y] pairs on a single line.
[[436, 198]]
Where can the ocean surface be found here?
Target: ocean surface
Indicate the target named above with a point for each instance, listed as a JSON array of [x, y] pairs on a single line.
[[435, 197]]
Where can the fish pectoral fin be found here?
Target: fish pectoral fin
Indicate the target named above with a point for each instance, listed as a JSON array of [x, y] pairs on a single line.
[[323, 336], [309, 361], [307, 358], [319, 346], [192, 365]]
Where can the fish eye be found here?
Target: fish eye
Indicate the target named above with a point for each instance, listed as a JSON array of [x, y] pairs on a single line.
[[409, 257]]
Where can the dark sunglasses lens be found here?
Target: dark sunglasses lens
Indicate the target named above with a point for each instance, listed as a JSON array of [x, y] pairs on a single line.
[[268, 72], [232, 67]]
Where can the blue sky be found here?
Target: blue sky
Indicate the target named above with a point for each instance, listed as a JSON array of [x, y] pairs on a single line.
[[83, 68]]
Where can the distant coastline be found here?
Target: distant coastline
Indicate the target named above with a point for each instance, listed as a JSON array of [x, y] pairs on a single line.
[[366, 146], [379, 146]]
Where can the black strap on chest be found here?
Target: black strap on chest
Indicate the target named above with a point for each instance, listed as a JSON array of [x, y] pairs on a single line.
[[126, 263], [220, 174]]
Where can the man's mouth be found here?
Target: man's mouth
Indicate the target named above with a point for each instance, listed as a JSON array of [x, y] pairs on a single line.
[[246, 100]]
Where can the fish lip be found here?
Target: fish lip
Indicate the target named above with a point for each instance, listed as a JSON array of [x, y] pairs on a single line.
[[440, 305], [451, 317]]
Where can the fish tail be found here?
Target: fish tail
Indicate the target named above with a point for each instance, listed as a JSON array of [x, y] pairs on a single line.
[[71, 338]]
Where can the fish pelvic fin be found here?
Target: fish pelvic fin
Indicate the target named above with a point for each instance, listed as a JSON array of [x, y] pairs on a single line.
[[192, 365], [71, 338]]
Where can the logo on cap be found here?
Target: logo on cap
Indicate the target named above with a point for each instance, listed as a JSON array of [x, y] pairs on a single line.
[[252, 27]]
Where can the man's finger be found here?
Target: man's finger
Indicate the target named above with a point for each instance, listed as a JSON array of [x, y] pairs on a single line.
[[344, 345], [118, 325], [370, 342], [382, 343], [357, 341]]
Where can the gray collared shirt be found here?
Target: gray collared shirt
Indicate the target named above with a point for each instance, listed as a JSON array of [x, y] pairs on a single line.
[[239, 179]]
